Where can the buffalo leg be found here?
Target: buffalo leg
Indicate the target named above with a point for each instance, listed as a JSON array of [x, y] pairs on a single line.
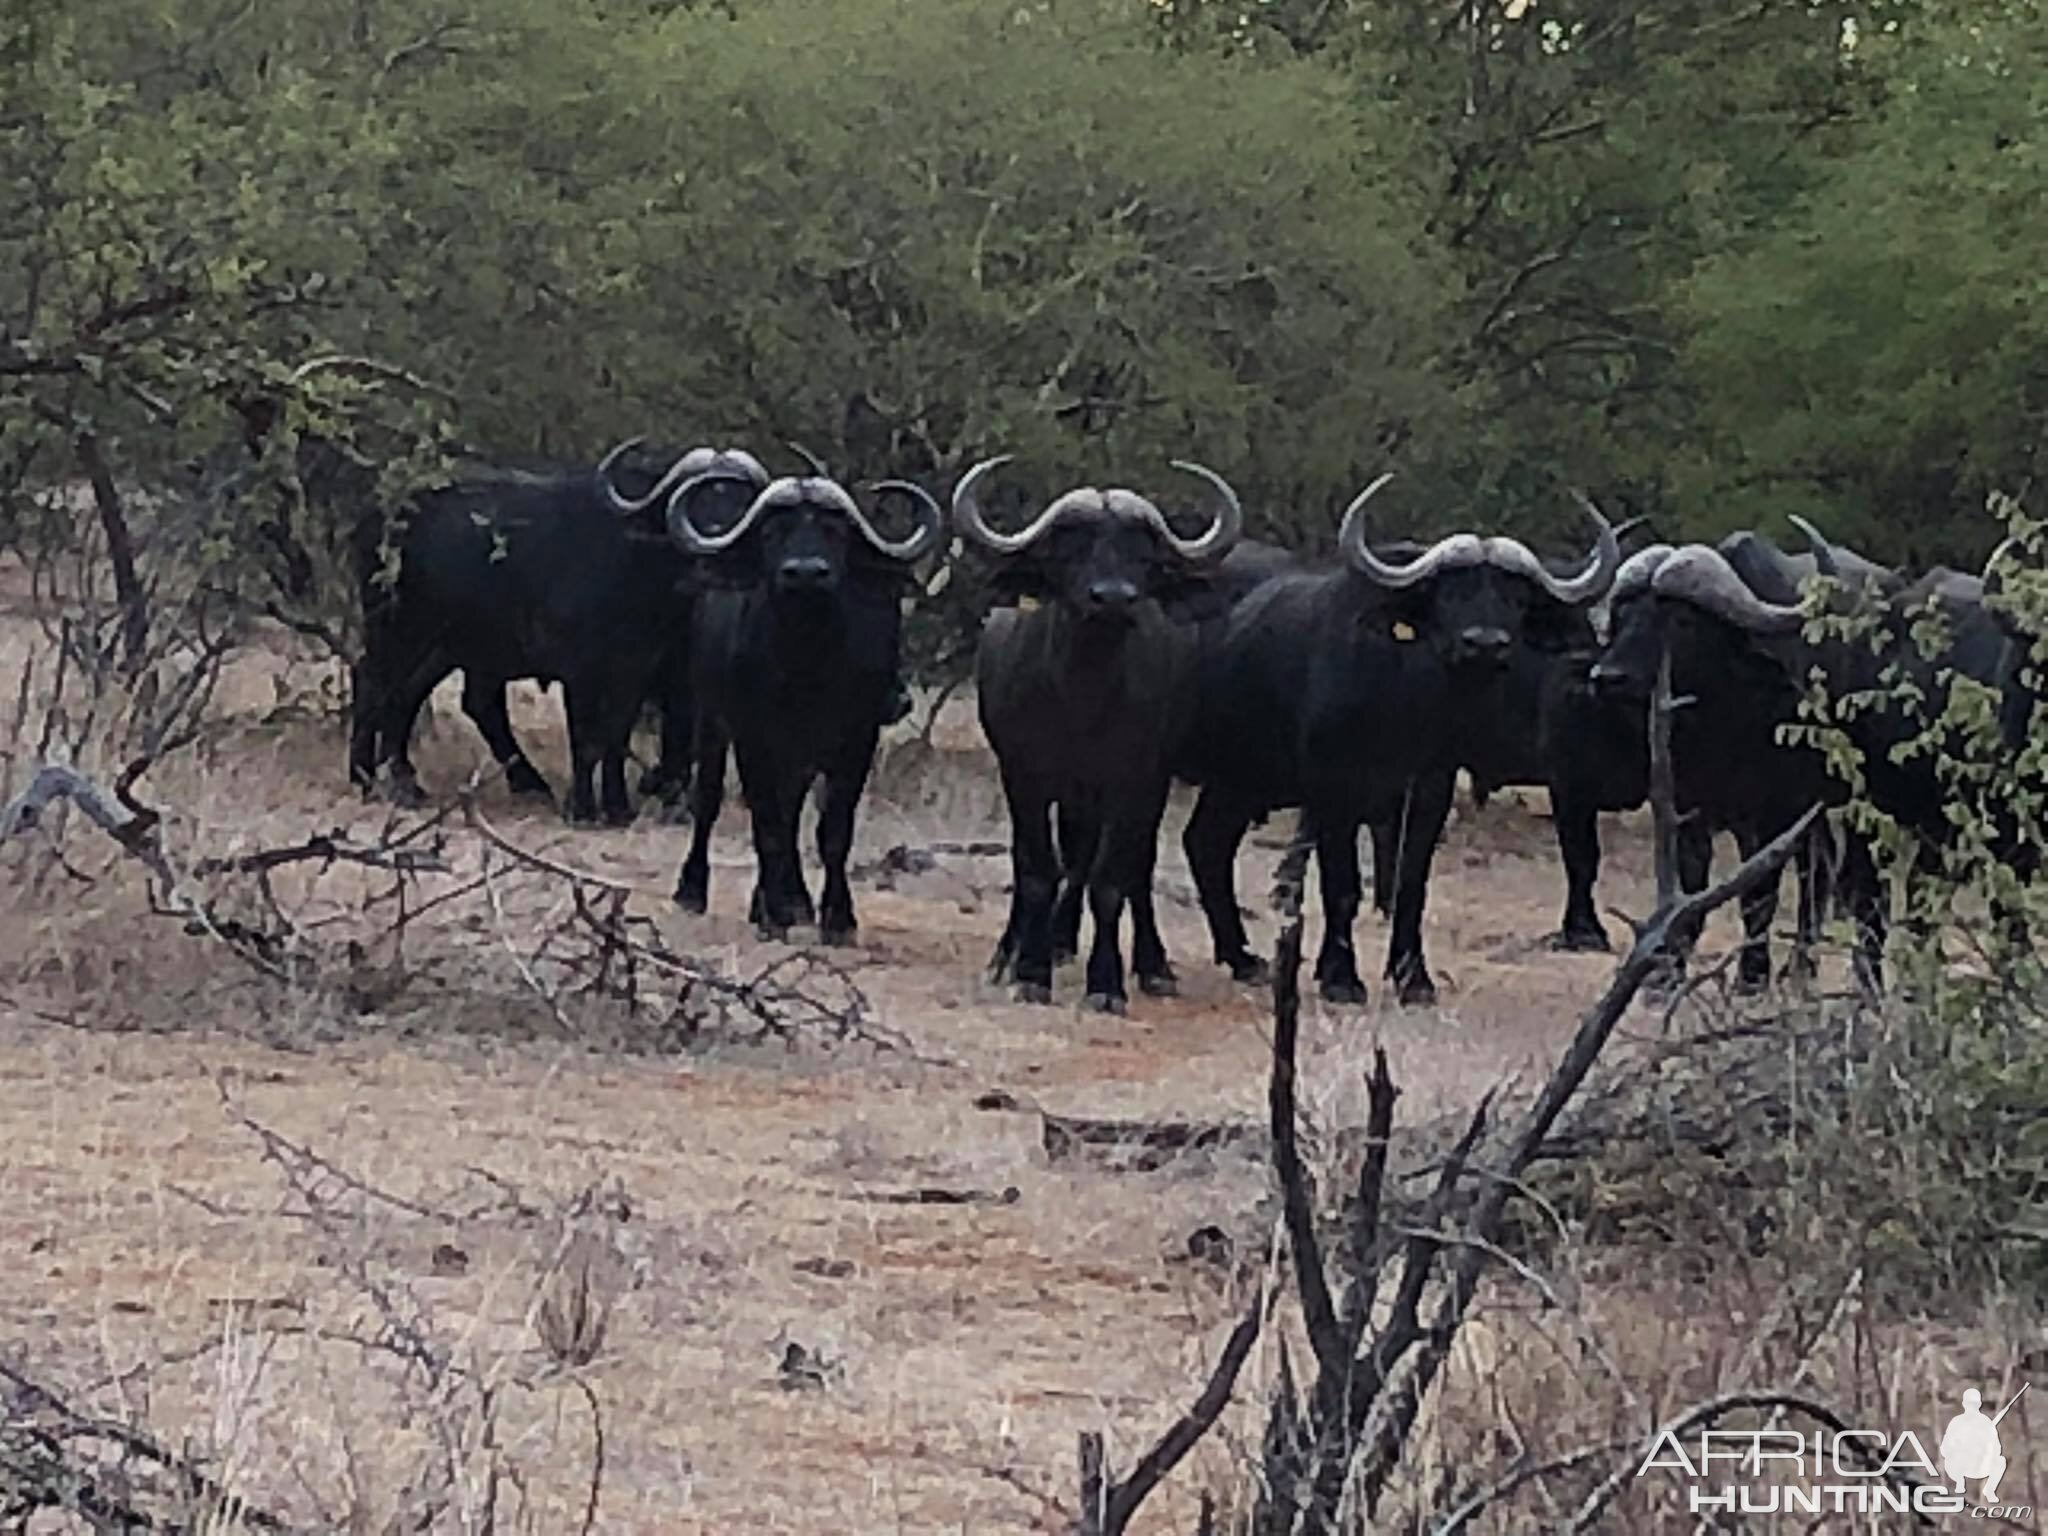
[[1148, 951], [483, 700], [1429, 803], [1695, 854], [1385, 839], [1074, 840], [775, 798], [1210, 842], [1120, 863], [619, 699], [669, 779], [707, 797], [1077, 835], [1034, 875], [401, 708], [580, 704], [1759, 911], [600, 710], [1337, 866], [842, 790], [364, 714], [1576, 820]]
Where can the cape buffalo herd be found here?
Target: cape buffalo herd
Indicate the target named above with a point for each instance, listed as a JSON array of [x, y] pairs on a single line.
[[762, 616]]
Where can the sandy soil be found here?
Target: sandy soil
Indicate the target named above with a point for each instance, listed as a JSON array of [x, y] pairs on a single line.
[[158, 1257]]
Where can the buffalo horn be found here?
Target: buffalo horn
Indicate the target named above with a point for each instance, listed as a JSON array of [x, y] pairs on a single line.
[[931, 519], [1639, 568], [1455, 551], [972, 525], [816, 464], [1701, 575], [1359, 556], [1589, 584], [779, 493], [1214, 542], [1824, 560], [1994, 578], [695, 462]]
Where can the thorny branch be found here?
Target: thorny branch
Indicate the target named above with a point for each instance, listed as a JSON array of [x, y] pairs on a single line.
[[1371, 1380], [593, 946]]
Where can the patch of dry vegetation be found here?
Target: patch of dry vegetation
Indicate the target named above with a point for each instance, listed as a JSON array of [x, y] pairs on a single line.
[[440, 1176]]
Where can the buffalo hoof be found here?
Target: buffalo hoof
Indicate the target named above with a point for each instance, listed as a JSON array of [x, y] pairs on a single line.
[[774, 933], [1034, 992], [1108, 1002], [1749, 984], [658, 783], [1159, 984], [692, 895], [580, 815], [1580, 941], [1250, 969], [406, 792], [1417, 992], [522, 778], [999, 966], [1349, 993], [618, 815], [837, 935]]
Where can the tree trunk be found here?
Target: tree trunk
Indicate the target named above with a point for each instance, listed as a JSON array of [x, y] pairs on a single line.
[[120, 553]]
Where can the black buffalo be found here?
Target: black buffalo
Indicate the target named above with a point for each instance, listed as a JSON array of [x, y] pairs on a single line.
[[1741, 664], [1546, 727], [1083, 695], [793, 658], [1731, 772], [556, 577], [1352, 693], [1206, 605]]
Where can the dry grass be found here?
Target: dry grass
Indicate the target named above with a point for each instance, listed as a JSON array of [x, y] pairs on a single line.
[[156, 1259]]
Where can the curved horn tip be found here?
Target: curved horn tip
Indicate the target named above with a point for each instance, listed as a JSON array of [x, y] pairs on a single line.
[[1824, 559]]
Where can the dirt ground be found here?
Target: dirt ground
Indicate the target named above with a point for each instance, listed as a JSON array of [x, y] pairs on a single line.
[[158, 1262]]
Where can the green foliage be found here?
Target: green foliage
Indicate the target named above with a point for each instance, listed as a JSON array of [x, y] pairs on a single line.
[[1713, 265], [1873, 359]]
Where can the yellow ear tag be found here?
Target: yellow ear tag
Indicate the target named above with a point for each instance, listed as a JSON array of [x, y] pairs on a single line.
[[1027, 604], [1403, 631]]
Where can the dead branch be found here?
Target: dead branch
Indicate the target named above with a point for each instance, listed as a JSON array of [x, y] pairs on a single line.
[[1318, 1311], [930, 1194], [53, 783], [55, 1457], [1371, 1381], [328, 849], [1664, 815], [1110, 1511], [306, 1168]]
